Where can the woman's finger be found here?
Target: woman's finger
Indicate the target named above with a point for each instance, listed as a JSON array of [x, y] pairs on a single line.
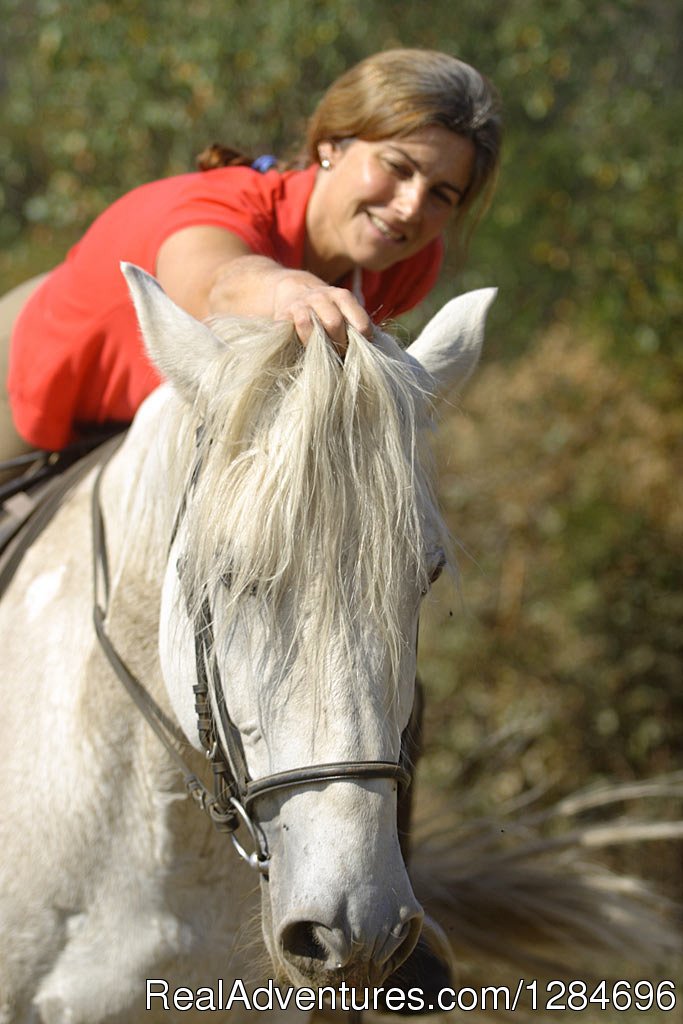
[[335, 309]]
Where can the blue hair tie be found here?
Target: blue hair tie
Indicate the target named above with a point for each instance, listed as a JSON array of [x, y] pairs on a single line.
[[264, 163]]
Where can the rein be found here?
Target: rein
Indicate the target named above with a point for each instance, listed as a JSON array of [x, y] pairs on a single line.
[[230, 805]]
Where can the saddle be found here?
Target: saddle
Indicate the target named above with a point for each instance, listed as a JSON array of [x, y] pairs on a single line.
[[38, 484]]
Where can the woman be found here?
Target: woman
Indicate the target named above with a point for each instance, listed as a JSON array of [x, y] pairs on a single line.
[[400, 145]]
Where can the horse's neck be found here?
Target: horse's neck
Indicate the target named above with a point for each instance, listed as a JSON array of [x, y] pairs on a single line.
[[138, 510], [135, 490]]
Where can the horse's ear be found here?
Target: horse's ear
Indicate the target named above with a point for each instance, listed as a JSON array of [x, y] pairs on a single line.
[[449, 346], [178, 345]]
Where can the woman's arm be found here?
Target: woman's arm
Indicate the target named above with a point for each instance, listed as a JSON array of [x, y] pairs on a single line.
[[208, 270]]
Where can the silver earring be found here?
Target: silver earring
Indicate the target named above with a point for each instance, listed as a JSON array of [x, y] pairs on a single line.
[[325, 164]]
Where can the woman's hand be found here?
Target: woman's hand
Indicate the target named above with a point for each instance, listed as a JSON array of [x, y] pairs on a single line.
[[302, 298]]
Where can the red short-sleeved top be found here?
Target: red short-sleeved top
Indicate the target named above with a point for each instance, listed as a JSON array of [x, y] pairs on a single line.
[[77, 357]]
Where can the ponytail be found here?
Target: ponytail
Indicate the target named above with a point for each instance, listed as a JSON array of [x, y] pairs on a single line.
[[221, 156]]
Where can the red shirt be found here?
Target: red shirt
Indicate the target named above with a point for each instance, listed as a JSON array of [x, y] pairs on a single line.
[[77, 357]]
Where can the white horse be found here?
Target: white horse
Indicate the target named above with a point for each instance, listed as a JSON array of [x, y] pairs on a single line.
[[268, 523], [264, 536]]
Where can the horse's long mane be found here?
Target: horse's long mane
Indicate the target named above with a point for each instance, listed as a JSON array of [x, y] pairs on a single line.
[[313, 490]]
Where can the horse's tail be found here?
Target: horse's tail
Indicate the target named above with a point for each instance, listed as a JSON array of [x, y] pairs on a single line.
[[520, 897]]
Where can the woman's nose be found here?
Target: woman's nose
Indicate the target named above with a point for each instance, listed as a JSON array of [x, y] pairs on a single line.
[[410, 199]]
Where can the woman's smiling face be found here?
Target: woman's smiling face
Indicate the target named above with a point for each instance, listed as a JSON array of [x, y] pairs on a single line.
[[381, 202]]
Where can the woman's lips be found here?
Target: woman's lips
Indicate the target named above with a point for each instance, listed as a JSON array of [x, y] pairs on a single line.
[[392, 234]]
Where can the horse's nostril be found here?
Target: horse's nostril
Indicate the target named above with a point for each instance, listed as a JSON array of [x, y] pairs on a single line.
[[303, 940], [400, 943], [311, 945]]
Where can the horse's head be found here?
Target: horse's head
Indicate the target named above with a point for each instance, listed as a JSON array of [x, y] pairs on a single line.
[[308, 535]]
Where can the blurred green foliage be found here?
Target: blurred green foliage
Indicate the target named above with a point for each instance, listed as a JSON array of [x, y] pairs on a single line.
[[564, 480]]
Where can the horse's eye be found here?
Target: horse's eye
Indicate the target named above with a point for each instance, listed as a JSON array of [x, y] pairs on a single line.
[[226, 579], [438, 568]]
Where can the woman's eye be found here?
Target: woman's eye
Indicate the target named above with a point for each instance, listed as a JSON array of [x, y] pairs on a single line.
[[445, 197], [401, 170]]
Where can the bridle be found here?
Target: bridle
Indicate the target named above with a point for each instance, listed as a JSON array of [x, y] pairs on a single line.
[[235, 793]]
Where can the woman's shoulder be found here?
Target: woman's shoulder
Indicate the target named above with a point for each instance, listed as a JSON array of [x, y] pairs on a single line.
[[240, 199]]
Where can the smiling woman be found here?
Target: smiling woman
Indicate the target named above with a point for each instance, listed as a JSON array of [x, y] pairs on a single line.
[[350, 234]]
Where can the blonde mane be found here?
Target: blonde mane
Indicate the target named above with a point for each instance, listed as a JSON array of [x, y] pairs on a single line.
[[314, 492]]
